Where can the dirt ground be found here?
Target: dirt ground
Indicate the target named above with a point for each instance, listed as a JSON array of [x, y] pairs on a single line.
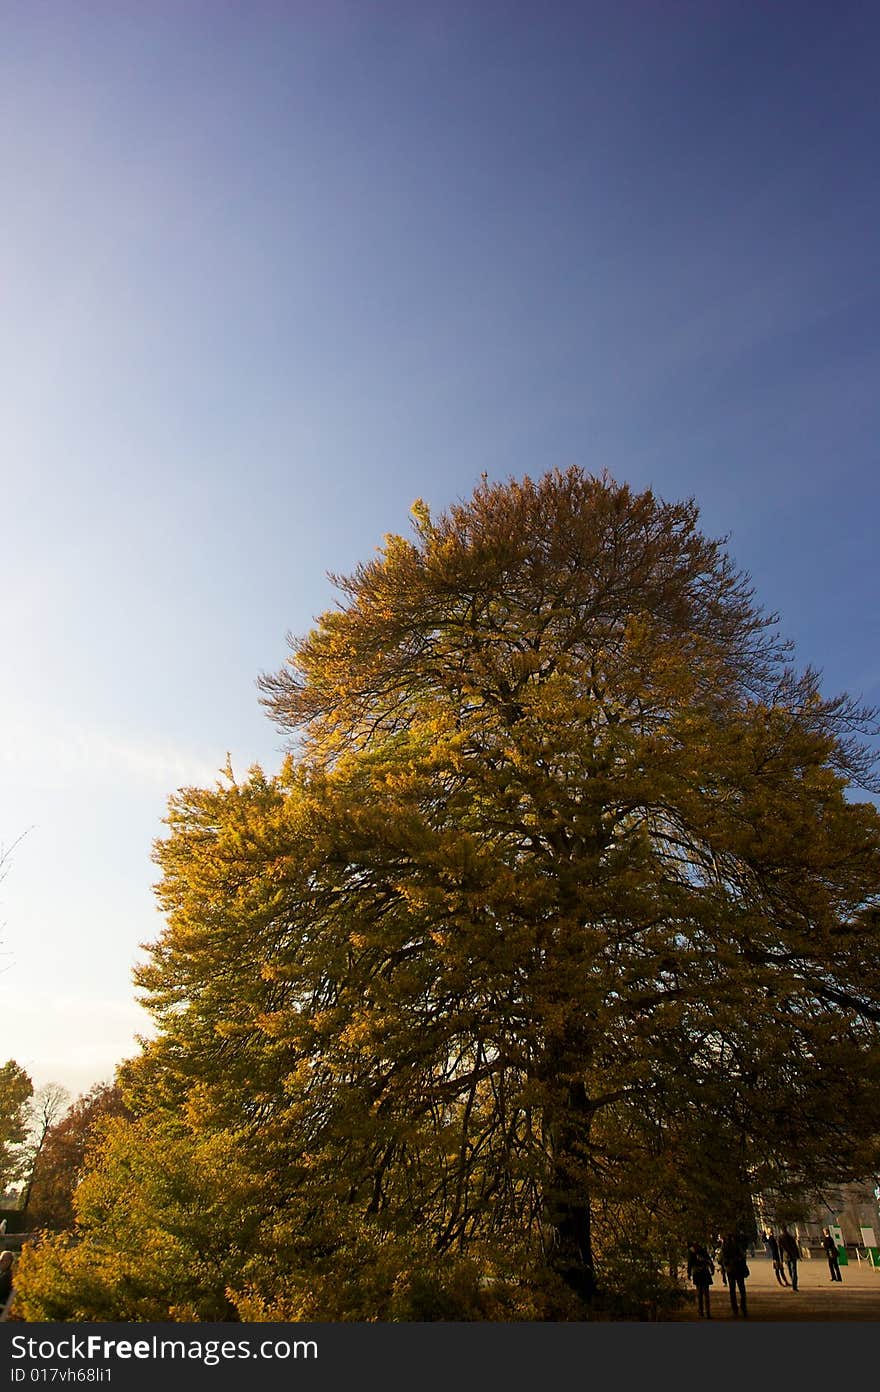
[[856, 1297]]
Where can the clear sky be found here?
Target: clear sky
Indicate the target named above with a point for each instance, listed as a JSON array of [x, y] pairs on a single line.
[[270, 271]]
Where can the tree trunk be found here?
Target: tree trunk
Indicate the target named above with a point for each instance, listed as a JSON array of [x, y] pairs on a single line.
[[566, 1199]]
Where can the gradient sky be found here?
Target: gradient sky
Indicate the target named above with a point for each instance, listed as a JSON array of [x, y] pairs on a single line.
[[270, 271]]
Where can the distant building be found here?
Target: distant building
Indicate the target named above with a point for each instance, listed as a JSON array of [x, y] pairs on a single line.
[[852, 1207]]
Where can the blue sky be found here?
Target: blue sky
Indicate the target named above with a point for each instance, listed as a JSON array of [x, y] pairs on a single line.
[[271, 271]]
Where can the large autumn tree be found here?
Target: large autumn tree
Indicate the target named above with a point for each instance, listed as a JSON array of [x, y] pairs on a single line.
[[550, 943]]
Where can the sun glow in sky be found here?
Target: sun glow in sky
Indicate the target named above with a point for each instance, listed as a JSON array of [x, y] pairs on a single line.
[[272, 271]]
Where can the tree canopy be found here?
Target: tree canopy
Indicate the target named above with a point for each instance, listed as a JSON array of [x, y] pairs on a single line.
[[16, 1089], [550, 943]]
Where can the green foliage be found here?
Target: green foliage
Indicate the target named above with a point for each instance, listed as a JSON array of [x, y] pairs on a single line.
[[634, 1287], [164, 1220], [16, 1089], [367, 1276]]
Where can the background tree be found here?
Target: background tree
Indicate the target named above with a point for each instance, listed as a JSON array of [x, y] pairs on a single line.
[[549, 946], [6, 852], [15, 1092], [61, 1157], [44, 1109]]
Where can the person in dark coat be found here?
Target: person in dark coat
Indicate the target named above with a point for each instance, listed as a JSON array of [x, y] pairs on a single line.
[[788, 1246], [831, 1253], [734, 1257], [776, 1257], [700, 1271], [5, 1278]]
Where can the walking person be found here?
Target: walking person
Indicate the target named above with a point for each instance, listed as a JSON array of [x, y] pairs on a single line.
[[774, 1254], [788, 1246], [737, 1268], [700, 1269], [719, 1258], [831, 1253]]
